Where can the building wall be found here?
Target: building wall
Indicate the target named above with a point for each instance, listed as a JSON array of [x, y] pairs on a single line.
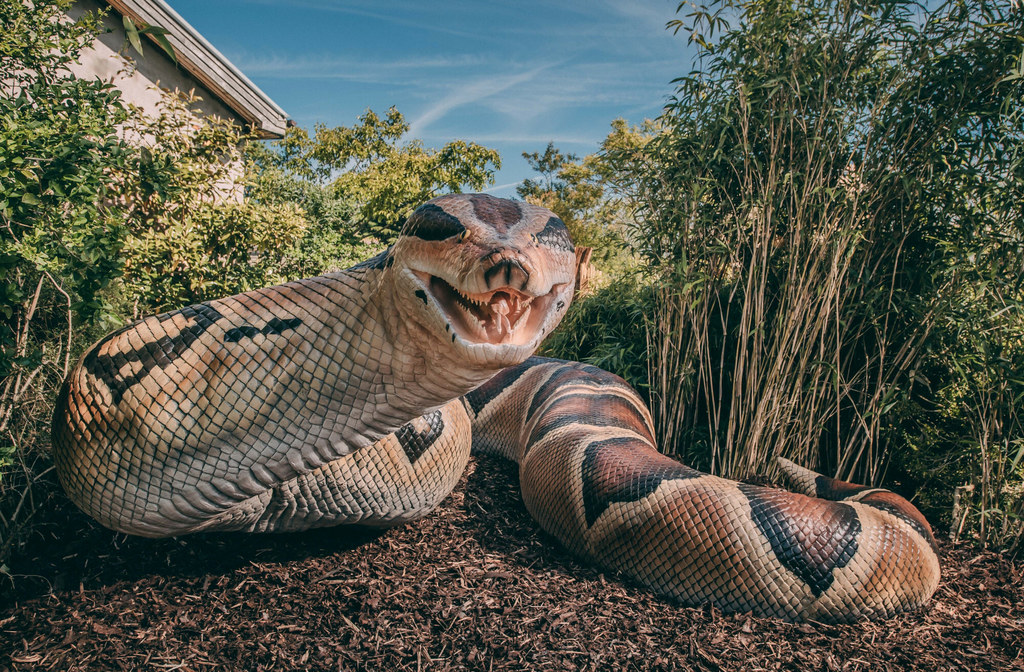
[[148, 78], [153, 69]]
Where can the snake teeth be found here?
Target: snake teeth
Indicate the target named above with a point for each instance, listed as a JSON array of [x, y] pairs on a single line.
[[491, 317]]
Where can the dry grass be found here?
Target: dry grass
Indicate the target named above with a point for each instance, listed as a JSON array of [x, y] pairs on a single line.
[[810, 218]]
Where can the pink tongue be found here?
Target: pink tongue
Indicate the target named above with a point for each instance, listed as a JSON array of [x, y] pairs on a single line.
[[500, 305]]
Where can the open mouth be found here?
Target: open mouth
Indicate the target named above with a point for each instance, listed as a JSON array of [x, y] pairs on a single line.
[[503, 316]]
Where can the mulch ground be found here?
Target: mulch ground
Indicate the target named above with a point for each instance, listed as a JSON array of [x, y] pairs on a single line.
[[473, 586]]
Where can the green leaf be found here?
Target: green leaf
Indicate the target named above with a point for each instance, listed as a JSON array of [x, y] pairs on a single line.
[[132, 32], [159, 36]]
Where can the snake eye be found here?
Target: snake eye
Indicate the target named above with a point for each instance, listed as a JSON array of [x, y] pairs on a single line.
[[429, 222]]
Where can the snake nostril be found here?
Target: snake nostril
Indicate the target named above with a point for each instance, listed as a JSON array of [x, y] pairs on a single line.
[[506, 272]]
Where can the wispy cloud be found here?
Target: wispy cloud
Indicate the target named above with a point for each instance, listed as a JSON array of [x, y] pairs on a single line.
[[329, 66], [580, 85], [525, 139], [466, 93], [398, 15], [512, 76], [508, 186], [648, 16]]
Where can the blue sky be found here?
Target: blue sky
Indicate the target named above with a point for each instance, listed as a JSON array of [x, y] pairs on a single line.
[[509, 75]]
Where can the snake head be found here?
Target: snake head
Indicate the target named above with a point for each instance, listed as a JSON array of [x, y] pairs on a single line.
[[490, 277]]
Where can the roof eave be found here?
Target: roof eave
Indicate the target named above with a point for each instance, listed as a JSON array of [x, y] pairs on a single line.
[[211, 68]]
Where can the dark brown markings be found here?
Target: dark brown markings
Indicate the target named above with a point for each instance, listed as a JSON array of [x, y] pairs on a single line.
[[835, 490], [431, 222], [415, 443], [593, 409], [890, 502], [624, 469], [155, 354], [501, 273], [273, 327], [883, 500], [571, 372], [498, 212], [501, 381], [810, 537], [555, 235]]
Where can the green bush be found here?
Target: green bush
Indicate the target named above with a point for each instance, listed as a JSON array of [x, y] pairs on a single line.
[[192, 236], [104, 214], [334, 237], [961, 434], [61, 233], [608, 329]]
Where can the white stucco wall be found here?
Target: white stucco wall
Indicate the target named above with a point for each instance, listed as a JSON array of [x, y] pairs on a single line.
[[153, 69], [145, 80]]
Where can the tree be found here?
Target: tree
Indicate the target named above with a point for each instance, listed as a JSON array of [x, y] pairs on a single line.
[[368, 164], [579, 193]]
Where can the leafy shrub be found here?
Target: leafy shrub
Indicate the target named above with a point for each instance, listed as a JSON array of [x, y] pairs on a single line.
[[961, 435], [334, 237], [608, 329], [192, 237], [61, 233], [100, 206]]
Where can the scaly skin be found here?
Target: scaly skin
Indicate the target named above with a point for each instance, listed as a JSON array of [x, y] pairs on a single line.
[[337, 400], [592, 476], [210, 417]]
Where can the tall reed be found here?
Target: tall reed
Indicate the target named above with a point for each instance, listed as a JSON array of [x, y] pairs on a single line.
[[798, 213]]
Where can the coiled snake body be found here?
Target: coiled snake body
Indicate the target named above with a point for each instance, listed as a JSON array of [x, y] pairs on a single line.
[[353, 397]]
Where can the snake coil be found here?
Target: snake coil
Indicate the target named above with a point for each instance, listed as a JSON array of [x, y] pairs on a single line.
[[355, 398]]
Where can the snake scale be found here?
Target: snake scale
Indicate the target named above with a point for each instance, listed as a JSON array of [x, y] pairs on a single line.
[[355, 398]]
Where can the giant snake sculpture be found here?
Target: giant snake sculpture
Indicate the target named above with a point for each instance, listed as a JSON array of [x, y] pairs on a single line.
[[354, 398]]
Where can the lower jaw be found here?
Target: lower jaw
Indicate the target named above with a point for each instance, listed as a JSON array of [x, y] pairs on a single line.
[[492, 335], [485, 357]]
